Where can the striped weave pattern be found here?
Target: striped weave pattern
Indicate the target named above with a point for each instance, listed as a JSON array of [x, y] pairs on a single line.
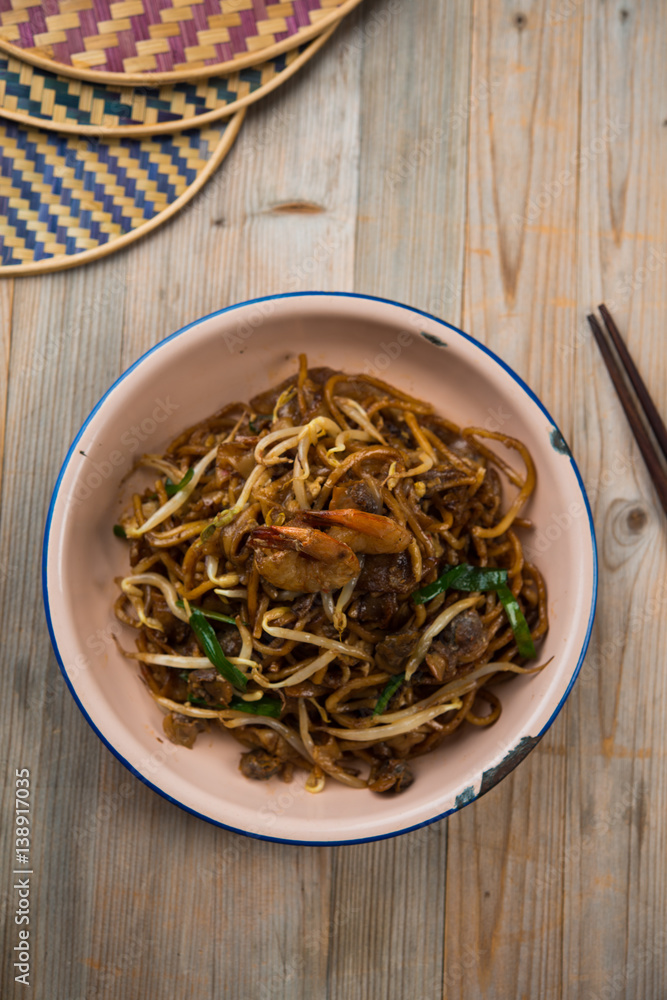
[[143, 36], [36, 93], [62, 195]]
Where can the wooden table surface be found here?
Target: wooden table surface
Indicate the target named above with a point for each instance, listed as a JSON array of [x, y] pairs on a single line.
[[503, 166]]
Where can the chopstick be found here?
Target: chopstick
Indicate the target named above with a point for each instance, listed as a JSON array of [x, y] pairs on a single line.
[[649, 452]]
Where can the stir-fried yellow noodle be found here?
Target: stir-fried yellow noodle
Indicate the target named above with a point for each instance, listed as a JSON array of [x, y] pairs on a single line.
[[329, 573]]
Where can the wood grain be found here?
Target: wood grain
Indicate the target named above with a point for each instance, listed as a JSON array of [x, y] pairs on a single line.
[[6, 303], [411, 200], [244, 239], [616, 788], [503, 167], [65, 352], [520, 292]]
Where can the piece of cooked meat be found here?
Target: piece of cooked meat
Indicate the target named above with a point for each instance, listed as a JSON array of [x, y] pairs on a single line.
[[359, 495], [387, 574], [463, 641], [259, 765], [182, 729], [391, 776], [436, 481], [175, 630], [207, 685], [394, 650], [377, 609]]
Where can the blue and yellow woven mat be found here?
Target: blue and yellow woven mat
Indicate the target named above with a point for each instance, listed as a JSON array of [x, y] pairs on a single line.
[[68, 199], [34, 96]]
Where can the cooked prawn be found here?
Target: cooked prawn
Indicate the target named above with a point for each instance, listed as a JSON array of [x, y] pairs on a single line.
[[303, 559], [371, 534]]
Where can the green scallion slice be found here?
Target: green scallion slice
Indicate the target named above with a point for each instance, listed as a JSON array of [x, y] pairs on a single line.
[[463, 577], [211, 647], [215, 616], [265, 706], [171, 489], [524, 640], [390, 690], [470, 578]]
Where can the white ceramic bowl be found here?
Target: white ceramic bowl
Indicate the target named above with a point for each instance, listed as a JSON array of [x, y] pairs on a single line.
[[233, 354]]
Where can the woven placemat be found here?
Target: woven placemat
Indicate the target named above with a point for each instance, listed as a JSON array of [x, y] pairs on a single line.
[[36, 97], [66, 200], [166, 40]]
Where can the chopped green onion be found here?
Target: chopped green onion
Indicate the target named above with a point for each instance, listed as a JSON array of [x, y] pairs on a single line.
[[215, 616], [390, 690], [119, 531], [463, 577], [266, 706], [470, 578], [524, 640], [171, 489], [212, 648]]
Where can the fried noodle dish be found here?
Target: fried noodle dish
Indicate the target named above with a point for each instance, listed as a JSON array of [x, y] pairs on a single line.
[[329, 573]]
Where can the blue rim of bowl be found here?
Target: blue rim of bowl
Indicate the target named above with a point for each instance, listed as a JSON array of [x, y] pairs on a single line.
[[511, 759]]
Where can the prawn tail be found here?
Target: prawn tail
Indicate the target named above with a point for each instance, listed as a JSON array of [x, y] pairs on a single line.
[[269, 537]]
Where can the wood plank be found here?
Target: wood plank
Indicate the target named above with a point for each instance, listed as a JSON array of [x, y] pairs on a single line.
[[387, 902], [65, 353], [476, 163], [520, 289], [6, 302], [616, 885], [267, 222], [280, 214], [411, 228]]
